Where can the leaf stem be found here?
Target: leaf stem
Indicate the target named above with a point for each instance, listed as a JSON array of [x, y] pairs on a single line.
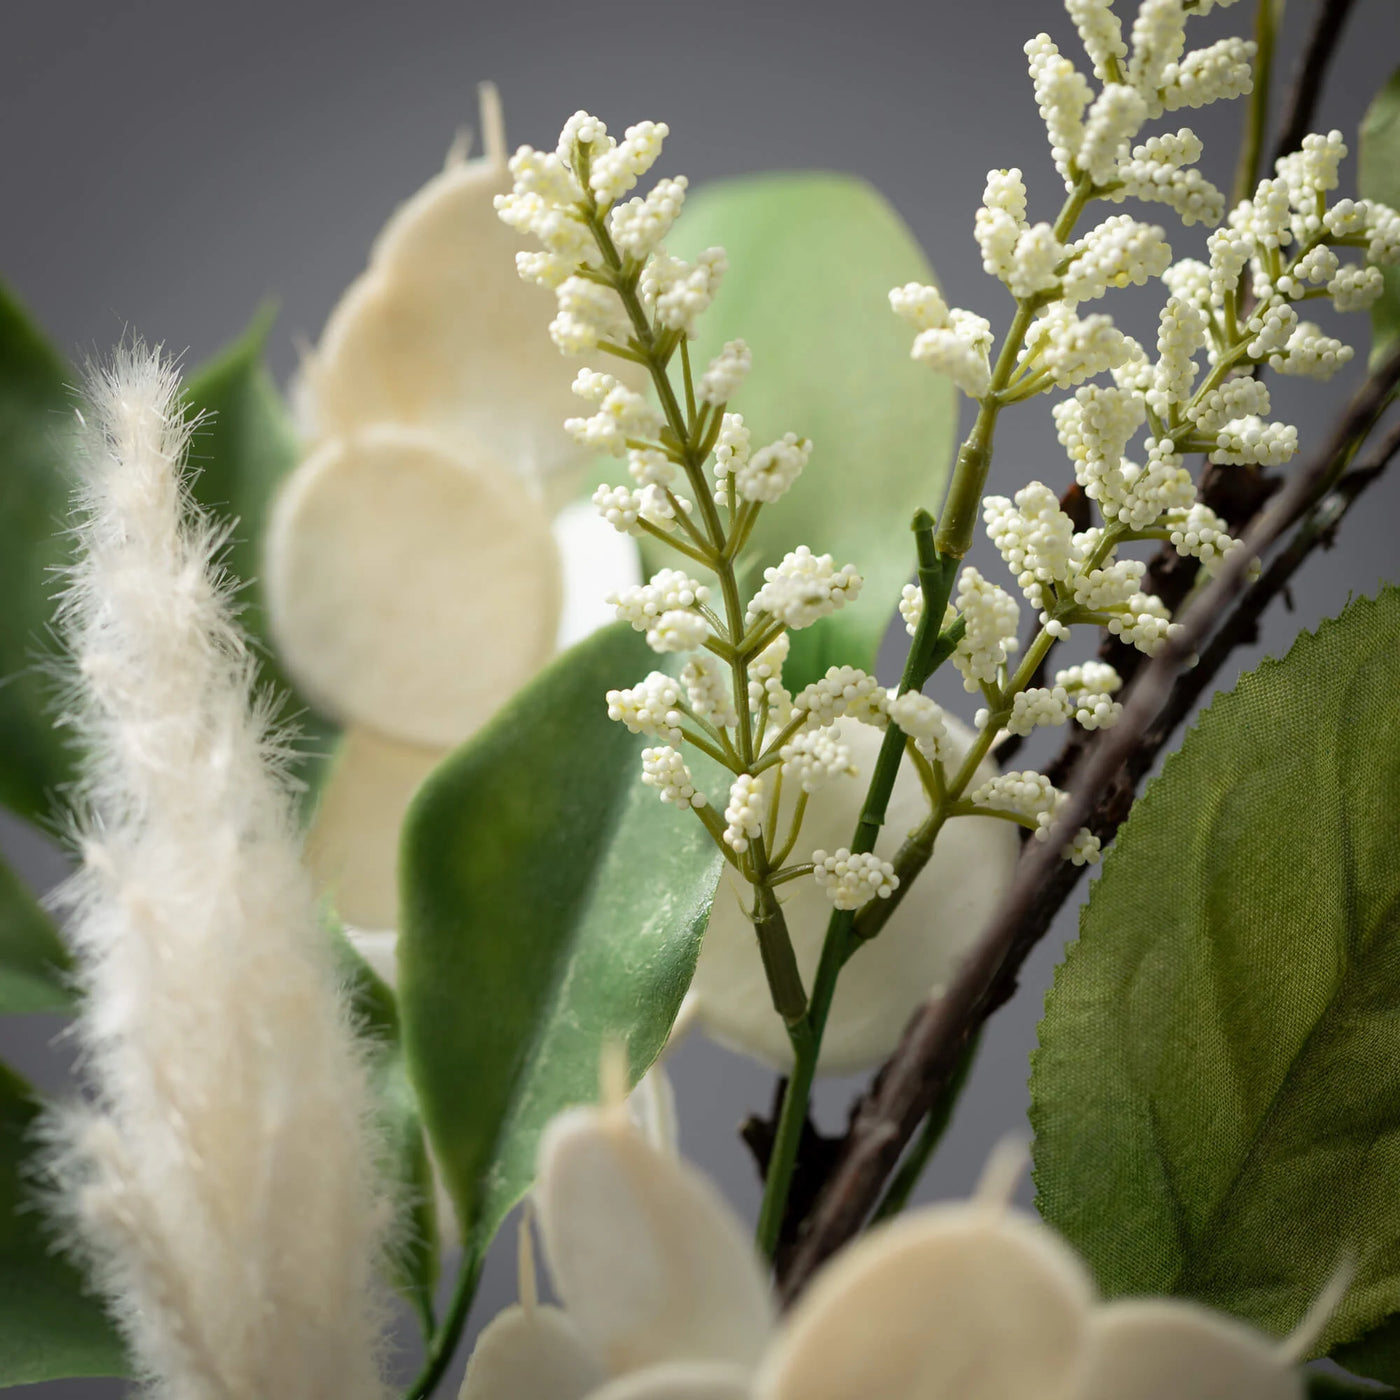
[[445, 1341]]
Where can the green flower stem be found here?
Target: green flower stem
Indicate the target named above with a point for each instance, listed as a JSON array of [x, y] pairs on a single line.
[[963, 502], [443, 1345], [770, 925], [1266, 17], [936, 574]]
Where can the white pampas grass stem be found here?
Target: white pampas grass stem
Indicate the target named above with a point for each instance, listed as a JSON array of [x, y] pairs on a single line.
[[224, 1183]]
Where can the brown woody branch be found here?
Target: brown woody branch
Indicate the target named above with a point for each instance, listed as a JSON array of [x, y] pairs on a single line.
[[1321, 44], [919, 1072]]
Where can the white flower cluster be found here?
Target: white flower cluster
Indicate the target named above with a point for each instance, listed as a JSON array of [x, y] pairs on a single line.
[[815, 757], [955, 343], [803, 588], [664, 769], [743, 816], [850, 880], [845, 691], [726, 372], [1032, 797], [922, 720], [651, 708], [665, 610], [1093, 135], [1074, 576]]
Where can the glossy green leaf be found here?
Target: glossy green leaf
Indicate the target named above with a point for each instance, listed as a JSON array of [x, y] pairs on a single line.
[[33, 959], [49, 1327], [417, 1259], [1216, 1096], [1378, 177], [812, 259], [36, 419], [550, 904], [242, 449]]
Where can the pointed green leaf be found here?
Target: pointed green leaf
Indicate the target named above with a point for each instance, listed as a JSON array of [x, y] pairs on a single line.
[[417, 1259], [33, 959], [812, 259], [1378, 177], [1216, 1096], [36, 419], [49, 1327], [550, 904]]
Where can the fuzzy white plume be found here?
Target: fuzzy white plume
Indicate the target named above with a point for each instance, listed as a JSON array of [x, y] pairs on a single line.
[[224, 1183]]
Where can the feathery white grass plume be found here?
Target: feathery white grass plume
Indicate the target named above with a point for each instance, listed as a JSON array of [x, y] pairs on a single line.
[[224, 1183]]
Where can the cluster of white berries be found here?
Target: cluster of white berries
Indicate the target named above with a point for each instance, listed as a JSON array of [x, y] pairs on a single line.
[[850, 880], [814, 757], [665, 609], [922, 720], [665, 770], [760, 477], [952, 342], [1033, 799], [804, 587], [743, 817]]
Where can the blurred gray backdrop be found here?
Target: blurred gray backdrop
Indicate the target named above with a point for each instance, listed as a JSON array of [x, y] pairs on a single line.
[[172, 163]]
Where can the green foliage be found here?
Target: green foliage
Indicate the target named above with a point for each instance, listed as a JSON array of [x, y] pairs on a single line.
[[417, 1261], [1216, 1096], [49, 1328], [1378, 177], [1377, 1354], [36, 419], [243, 447], [550, 904], [241, 451], [33, 959], [811, 261]]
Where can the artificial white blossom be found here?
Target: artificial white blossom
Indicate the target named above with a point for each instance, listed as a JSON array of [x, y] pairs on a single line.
[[743, 816], [991, 617], [651, 708], [852, 880], [922, 720], [707, 688], [664, 769], [815, 757], [726, 372], [768, 473], [843, 692], [804, 587]]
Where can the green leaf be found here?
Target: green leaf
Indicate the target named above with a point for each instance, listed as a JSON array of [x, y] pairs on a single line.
[[550, 905], [1377, 1354], [36, 419], [1321, 1386], [49, 1327], [1378, 177], [1216, 1096], [417, 1260], [34, 962], [242, 450], [812, 259]]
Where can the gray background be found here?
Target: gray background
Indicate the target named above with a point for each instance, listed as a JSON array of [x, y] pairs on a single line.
[[169, 164]]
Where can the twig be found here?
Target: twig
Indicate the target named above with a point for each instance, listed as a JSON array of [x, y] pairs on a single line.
[[933, 1043], [1298, 114]]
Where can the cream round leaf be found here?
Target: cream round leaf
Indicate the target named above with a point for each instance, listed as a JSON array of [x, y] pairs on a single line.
[[532, 1353], [681, 1380], [964, 1302], [411, 588], [352, 845], [646, 1256], [917, 952], [1167, 1348]]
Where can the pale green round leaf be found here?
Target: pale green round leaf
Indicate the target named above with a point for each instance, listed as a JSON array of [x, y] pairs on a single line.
[[812, 259]]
